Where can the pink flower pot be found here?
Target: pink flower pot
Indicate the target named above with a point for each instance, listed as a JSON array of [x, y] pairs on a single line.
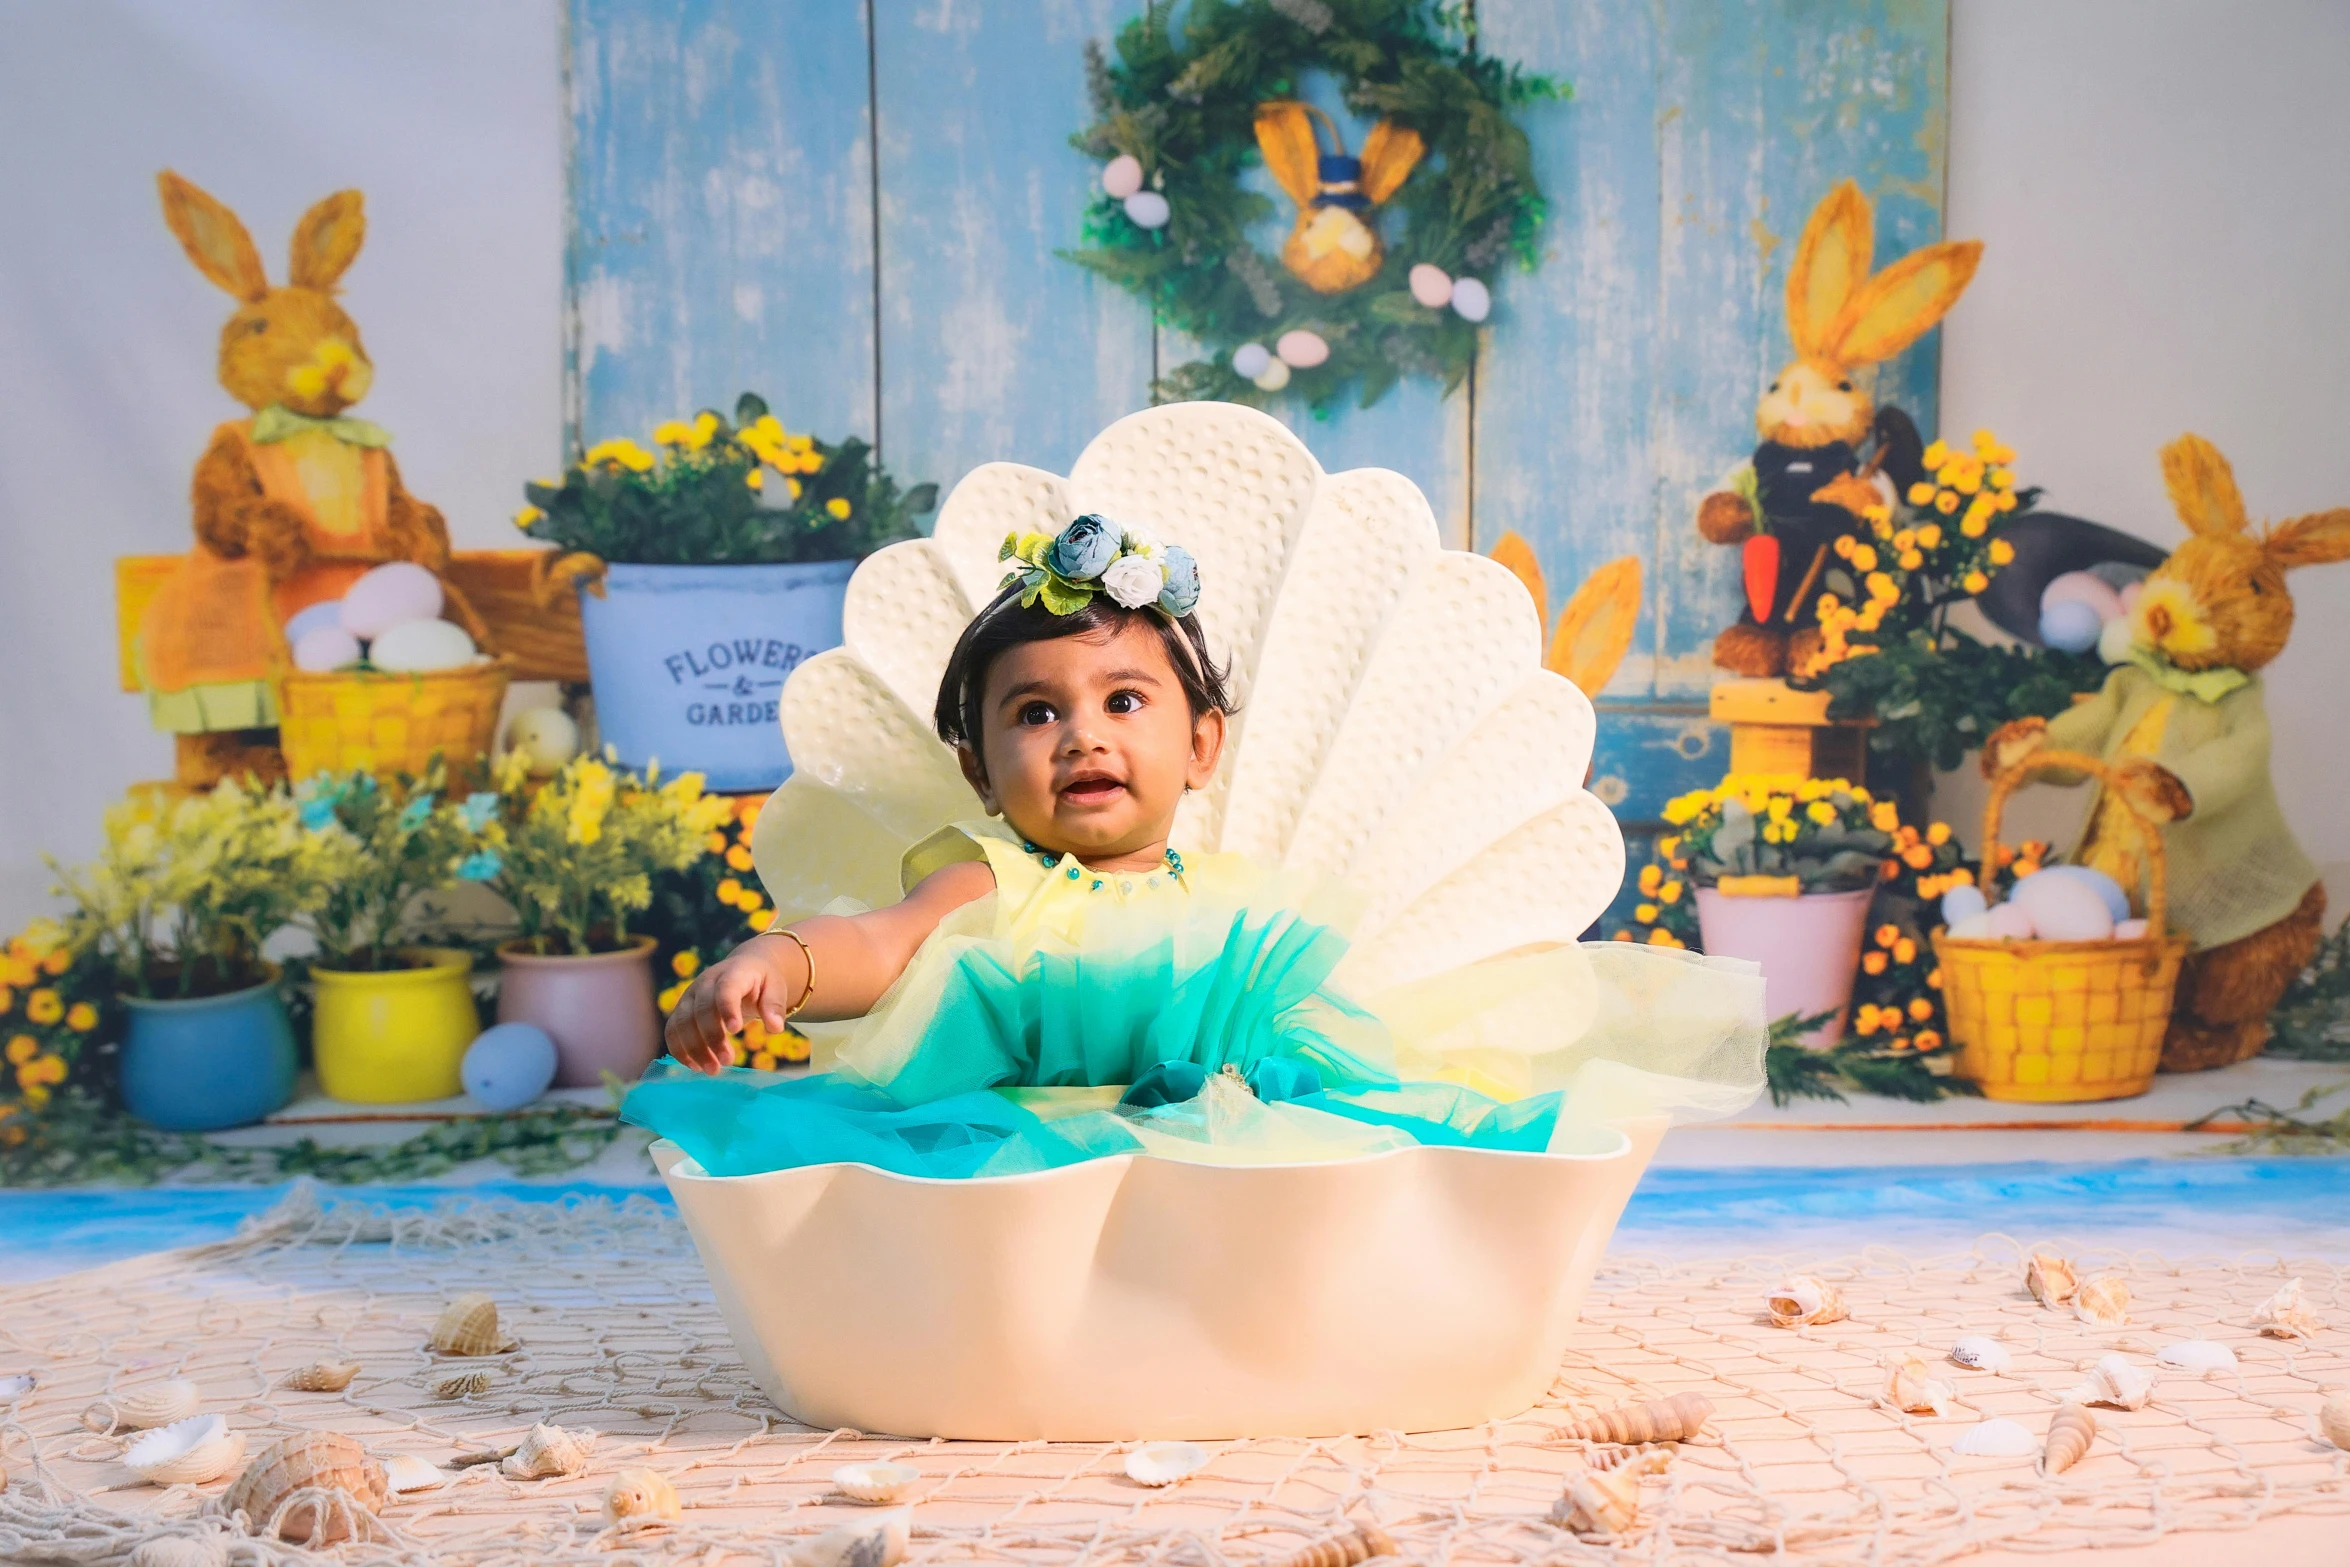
[[1808, 947], [597, 1008]]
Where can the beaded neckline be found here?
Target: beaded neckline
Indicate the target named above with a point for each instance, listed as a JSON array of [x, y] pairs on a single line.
[[1069, 866]]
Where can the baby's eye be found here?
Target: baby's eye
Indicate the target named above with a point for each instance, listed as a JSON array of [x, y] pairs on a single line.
[[1036, 714], [1124, 702]]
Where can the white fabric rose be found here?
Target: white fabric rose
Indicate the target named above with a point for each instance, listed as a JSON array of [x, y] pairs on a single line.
[[1133, 580]]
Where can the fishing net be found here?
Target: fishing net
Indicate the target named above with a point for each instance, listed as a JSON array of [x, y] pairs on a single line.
[[618, 1336]]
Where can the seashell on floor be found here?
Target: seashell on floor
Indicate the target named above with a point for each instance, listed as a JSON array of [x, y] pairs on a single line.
[[1164, 1463], [876, 1484]]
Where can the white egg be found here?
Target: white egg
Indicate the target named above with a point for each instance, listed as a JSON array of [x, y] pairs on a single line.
[[1148, 209], [1974, 927], [1122, 176], [394, 592], [1471, 300], [2129, 594], [1431, 285], [1249, 360], [2129, 930], [2117, 902], [1302, 349], [2070, 626], [325, 647], [415, 646], [1962, 902], [1273, 377], [327, 613], [2082, 587], [546, 735], [2062, 908], [2008, 922], [2113, 643]]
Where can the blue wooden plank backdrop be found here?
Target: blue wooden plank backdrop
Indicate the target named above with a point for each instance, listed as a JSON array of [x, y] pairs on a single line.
[[855, 208]]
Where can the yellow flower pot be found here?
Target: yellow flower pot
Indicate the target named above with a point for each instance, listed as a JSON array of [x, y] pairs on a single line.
[[396, 1036]]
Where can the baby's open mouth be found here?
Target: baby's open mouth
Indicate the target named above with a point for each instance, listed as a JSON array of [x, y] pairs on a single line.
[[1091, 788]]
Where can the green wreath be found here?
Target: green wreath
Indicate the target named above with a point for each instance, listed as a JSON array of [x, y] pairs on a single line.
[[1179, 121]]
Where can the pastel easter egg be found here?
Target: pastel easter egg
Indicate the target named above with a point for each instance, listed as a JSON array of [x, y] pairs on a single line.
[[1431, 285], [1471, 300], [394, 592], [1975, 927], [328, 613], [2129, 594], [2070, 626], [2062, 908], [2113, 640], [1249, 360], [1122, 176], [1273, 377], [325, 647], [1148, 209], [1964, 902], [546, 736], [508, 1066], [2082, 587], [2008, 922], [415, 646], [1302, 349], [2129, 930], [2117, 902]]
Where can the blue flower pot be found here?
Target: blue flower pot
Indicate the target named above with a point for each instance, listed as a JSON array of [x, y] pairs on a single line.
[[689, 662], [208, 1064]]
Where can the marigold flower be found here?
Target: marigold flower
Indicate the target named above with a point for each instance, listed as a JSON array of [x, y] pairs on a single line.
[[1844, 545], [1645, 913], [1661, 937], [1917, 856], [1928, 1039], [1946, 502], [81, 1017], [1911, 560], [2002, 553], [1921, 493], [836, 508], [739, 858], [1651, 877], [22, 1049], [1866, 1022], [729, 890], [1669, 893], [1920, 1009], [57, 962], [1930, 536], [1937, 454], [1872, 963], [1905, 951], [1934, 978], [44, 1006], [528, 515], [1974, 582], [1938, 833], [686, 964], [1864, 556], [1820, 811], [668, 999], [1886, 935]]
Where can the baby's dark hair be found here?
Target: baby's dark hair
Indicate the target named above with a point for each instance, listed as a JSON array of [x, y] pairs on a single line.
[[1005, 624]]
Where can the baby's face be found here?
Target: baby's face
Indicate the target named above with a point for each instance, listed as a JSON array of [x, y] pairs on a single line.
[[1087, 744]]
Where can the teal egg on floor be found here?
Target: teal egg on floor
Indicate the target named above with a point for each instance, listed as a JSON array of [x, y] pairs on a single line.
[[508, 1066]]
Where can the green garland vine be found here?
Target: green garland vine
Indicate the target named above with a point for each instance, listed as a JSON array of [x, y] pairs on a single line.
[[1185, 109]]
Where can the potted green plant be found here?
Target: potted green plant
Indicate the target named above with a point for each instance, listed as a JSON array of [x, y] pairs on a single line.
[[393, 1017], [575, 857], [179, 905], [1784, 869], [709, 567]]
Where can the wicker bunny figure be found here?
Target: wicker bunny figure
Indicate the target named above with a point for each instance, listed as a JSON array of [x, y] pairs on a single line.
[[291, 505], [2186, 722], [1333, 246], [1806, 484]]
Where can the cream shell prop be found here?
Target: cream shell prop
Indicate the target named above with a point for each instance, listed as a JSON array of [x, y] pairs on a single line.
[[1915, 1390], [312, 1461], [144, 1408], [2070, 1431], [2286, 1315], [641, 1496], [322, 1376], [2050, 1278], [1164, 1463], [2115, 1380], [876, 1485], [2103, 1302], [2333, 1418], [1995, 1439], [1981, 1354], [1606, 1502], [468, 1326], [547, 1452], [1362, 1542], [881, 1543], [186, 1452], [1662, 1420], [1401, 1279], [2201, 1356], [405, 1472], [1804, 1302]]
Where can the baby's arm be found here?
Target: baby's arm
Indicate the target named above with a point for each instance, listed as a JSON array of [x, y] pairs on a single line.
[[858, 957]]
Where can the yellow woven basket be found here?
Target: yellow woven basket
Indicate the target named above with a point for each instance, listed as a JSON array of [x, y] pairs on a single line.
[[2054, 1021], [379, 722]]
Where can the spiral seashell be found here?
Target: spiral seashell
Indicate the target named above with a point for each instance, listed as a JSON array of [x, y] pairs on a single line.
[[1914, 1390], [1981, 1354], [1661, 1420], [880, 1543], [1360, 1542], [180, 1550], [186, 1452], [322, 1376], [878, 1485], [2285, 1315], [144, 1408], [468, 1325], [2200, 1355], [313, 1461], [1607, 1501], [465, 1386], [2103, 1302], [2050, 1279], [2114, 1380], [546, 1451], [642, 1494], [2333, 1418], [1804, 1301], [1164, 1463], [2070, 1431]]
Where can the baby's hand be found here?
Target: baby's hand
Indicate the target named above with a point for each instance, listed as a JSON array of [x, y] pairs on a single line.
[[760, 978]]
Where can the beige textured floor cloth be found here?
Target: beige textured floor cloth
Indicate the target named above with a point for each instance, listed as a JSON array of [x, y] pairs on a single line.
[[1805, 1461]]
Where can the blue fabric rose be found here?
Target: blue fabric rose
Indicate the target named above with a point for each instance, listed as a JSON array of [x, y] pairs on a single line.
[[479, 810], [416, 813], [1085, 548], [318, 812], [481, 865], [1182, 589]]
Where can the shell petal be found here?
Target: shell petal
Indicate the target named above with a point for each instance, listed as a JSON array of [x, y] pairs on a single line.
[[1164, 1463], [876, 1485]]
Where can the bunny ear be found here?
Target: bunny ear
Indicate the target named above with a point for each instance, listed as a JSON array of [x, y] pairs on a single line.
[[1512, 550], [2203, 487], [1831, 262], [1389, 155], [1901, 304], [212, 237], [326, 241], [1595, 629], [2314, 540], [1286, 137]]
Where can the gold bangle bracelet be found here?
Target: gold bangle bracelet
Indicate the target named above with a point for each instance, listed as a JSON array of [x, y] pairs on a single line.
[[808, 993]]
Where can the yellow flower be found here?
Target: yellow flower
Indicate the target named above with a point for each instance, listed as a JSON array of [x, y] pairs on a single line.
[[7, 998], [1872, 963], [1905, 951], [836, 508], [1886, 935], [753, 912], [729, 890], [1844, 545], [81, 1017], [528, 515], [756, 478], [715, 843], [738, 858], [1866, 1022], [44, 1006], [22, 1049], [792, 488], [705, 427], [1937, 454], [1864, 557], [1969, 479], [2006, 501], [1881, 588], [1921, 493], [1651, 877], [1946, 502], [1870, 619], [1907, 538], [2002, 552], [57, 962], [1930, 536], [686, 964], [1645, 913], [1779, 807], [668, 999], [1938, 833], [673, 432], [1928, 1039], [1974, 582], [1669, 893], [1911, 560], [1661, 937], [623, 451], [1820, 811]]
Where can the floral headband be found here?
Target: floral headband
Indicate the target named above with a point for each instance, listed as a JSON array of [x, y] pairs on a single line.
[[1093, 555]]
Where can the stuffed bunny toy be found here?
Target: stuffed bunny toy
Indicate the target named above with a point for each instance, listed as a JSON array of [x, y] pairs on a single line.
[[291, 505], [1333, 247], [2185, 723], [1807, 484]]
